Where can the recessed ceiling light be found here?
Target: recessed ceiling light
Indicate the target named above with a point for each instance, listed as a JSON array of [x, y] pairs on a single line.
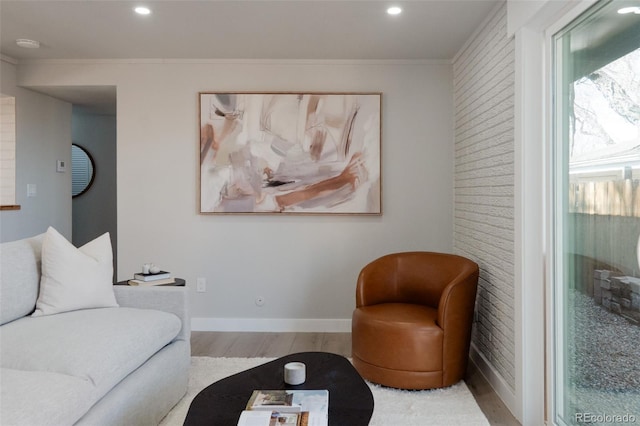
[[27, 43], [394, 10], [632, 9], [141, 10]]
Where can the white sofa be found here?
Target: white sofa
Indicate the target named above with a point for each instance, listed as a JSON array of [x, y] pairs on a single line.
[[123, 365]]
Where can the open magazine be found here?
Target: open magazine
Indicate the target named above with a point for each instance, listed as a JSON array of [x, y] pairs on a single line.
[[286, 408]]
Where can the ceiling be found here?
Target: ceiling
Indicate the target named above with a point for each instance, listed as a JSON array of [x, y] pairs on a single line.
[[246, 29], [239, 29]]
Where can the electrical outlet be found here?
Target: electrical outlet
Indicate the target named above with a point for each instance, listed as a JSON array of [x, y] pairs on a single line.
[[201, 285]]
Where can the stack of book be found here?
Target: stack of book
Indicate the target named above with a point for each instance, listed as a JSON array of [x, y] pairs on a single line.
[[286, 408], [159, 278]]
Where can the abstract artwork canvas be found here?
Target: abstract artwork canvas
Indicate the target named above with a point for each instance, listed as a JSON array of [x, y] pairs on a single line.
[[290, 153]]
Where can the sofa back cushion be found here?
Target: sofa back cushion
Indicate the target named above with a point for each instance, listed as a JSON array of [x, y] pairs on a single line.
[[19, 277], [75, 278]]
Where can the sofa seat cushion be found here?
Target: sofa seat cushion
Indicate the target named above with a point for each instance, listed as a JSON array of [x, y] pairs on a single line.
[[42, 398], [101, 346]]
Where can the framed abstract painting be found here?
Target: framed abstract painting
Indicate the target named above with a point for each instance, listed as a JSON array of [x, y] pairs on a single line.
[[298, 153]]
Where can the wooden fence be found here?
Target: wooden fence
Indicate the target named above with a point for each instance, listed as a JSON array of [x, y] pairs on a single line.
[[614, 198]]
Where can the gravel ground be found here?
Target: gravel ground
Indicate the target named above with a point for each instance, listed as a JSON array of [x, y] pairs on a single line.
[[604, 361]]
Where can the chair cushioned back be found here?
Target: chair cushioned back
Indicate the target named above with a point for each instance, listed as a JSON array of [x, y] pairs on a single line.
[[411, 277]]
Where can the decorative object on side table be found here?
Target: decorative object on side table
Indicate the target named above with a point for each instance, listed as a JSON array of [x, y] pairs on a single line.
[[164, 281], [151, 272], [151, 275], [161, 275], [178, 282]]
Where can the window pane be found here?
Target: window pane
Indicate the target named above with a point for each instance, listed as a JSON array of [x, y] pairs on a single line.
[[597, 154]]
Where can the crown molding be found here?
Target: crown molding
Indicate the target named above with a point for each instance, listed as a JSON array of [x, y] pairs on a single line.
[[237, 61]]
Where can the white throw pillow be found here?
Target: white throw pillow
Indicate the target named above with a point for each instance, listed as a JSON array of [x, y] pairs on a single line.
[[75, 278]]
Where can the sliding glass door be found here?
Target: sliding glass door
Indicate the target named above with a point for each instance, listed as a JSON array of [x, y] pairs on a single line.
[[596, 175]]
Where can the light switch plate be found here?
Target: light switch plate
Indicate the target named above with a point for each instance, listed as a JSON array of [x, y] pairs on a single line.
[[61, 166], [32, 190]]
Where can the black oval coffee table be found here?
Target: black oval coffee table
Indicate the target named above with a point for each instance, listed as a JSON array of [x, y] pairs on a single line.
[[350, 399]]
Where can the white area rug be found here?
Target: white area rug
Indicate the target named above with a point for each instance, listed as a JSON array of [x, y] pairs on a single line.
[[441, 407]]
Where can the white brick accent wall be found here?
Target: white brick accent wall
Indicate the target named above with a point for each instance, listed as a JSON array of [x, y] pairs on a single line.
[[484, 84]]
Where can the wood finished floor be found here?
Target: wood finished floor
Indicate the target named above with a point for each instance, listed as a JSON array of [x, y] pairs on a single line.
[[272, 345]]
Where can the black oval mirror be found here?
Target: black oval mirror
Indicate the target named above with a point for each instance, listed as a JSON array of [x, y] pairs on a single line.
[[82, 170]]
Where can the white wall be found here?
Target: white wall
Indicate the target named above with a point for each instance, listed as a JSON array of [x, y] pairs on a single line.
[[304, 266], [43, 135], [519, 12], [95, 212]]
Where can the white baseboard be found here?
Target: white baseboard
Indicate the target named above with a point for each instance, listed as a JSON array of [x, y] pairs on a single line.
[[499, 385], [281, 325]]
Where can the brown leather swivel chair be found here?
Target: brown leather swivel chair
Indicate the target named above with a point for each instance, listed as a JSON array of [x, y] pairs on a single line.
[[411, 328]]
